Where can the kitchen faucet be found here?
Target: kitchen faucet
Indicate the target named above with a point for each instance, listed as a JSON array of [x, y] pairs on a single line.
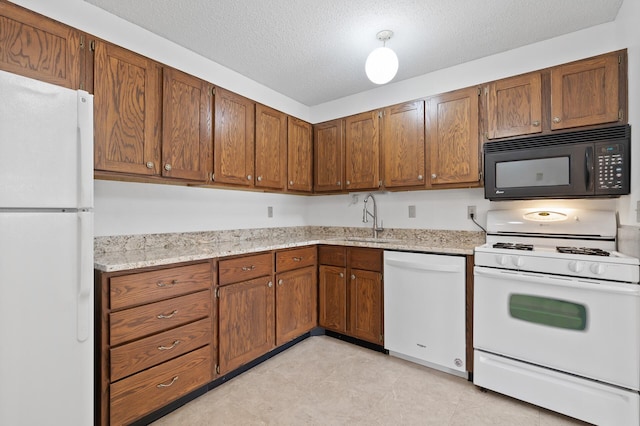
[[366, 214]]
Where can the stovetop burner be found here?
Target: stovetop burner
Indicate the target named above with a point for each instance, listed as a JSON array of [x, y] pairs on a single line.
[[514, 246], [583, 250]]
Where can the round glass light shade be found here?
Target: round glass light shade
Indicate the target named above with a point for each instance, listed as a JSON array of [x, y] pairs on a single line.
[[381, 65]]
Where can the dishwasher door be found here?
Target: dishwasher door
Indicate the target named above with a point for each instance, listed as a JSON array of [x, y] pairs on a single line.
[[424, 309]]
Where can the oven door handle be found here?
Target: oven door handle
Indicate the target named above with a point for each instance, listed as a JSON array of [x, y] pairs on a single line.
[[576, 282]]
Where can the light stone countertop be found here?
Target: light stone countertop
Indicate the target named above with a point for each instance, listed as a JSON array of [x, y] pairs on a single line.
[[122, 253]]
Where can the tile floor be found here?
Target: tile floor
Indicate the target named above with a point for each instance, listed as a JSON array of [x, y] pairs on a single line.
[[325, 381]]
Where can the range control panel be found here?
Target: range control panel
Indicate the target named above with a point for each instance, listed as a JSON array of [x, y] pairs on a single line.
[[612, 167]]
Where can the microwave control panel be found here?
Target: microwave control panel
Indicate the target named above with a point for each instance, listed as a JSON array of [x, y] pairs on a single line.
[[612, 168]]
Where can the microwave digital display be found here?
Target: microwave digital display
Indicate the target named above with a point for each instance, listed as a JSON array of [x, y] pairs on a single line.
[[539, 172]]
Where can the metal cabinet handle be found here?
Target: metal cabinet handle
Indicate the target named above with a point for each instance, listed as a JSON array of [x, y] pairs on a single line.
[[280, 282], [259, 178], [536, 123], [341, 275], [163, 285], [556, 119], [167, 167], [166, 348], [420, 177], [348, 182], [338, 183], [249, 268], [150, 164], [163, 316], [353, 277], [249, 177], [433, 176], [290, 182], [166, 385], [270, 284], [297, 259]]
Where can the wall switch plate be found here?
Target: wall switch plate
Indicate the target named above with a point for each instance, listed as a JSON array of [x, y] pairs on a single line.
[[412, 211], [471, 211], [269, 211]]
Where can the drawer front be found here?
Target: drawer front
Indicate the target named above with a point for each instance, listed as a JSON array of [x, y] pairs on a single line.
[[145, 320], [141, 394], [332, 255], [147, 287], [144, 353], [294, 259], [368, 259], [244, 268]]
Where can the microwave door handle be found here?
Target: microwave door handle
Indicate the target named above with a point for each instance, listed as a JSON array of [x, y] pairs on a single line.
[[588, 168]]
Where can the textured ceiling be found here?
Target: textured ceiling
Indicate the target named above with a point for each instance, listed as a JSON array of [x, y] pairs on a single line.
[[314, 51]]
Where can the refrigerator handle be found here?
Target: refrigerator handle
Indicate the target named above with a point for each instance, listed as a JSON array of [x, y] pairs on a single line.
[[85, 279], [85, 149]]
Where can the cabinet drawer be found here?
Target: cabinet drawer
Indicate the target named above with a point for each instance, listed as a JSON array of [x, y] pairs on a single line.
[[141, 394], [244, 268], [296, 258], [365, 258], [332, 255], [141, 321], [147, 287], [144, 353]]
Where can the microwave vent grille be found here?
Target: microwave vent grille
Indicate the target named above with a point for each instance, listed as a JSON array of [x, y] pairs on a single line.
[[559, 139]]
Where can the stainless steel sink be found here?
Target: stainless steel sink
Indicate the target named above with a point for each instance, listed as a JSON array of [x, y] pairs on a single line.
[[372, 240]]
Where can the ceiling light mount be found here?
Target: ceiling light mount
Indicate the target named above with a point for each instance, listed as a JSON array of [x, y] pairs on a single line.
[[382, 63]]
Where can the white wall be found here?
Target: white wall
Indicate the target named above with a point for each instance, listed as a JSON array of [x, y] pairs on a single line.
[[123, 208]]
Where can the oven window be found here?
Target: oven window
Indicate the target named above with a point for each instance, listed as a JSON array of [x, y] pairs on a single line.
[[547, 311], [526, 173]]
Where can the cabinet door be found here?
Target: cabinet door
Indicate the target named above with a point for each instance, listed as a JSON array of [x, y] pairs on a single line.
[[234, 138], [271, 147], [332, 303], [38, 47], [453, 137], [127, 111], [585, 92], [362, 151], [300, 153], [186, 126], [403, 152], [514, 106], [246, 327], [328, 139], [296, 303], [365, 318]]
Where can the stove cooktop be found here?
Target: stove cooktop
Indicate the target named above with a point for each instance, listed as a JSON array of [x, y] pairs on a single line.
[[590, 251]]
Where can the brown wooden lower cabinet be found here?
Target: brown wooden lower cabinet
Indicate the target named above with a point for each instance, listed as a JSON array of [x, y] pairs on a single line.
[[296, 303], [332, 293]]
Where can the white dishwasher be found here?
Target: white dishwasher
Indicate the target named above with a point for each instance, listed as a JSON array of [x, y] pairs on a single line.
[[424, 309]]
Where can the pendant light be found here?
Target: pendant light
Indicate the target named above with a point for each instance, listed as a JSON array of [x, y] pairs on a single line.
[[382, 63]]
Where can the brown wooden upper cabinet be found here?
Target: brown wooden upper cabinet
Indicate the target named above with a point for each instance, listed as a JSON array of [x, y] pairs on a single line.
[[587, 92], [38, 47], [452, 129], [403, 149], [300, 155], [271, 148], [362, 151], [127, 110], [328, 156], [234, 139], [514, 106]]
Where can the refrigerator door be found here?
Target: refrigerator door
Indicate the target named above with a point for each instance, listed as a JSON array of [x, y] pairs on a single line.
[[46, 145], [46, 320]]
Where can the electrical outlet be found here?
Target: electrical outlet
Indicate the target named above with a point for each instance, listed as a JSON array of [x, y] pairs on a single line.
[[471, 211], [269, 211], [412, 211]]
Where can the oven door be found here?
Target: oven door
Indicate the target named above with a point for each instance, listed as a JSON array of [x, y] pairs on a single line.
[[585, 327]]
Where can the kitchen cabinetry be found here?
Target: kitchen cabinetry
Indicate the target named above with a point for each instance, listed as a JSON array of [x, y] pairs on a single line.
[[128, 111], [234, 139], [587, 92], [328, 140], [403, 148], [350, 291], [155, 338], [453, 138], [38, 47], [299, 155], [514, 106], [362, 151], [271, 148], [296, 293]]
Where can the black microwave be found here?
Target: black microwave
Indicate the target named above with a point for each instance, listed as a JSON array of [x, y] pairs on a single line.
[[577, 164]]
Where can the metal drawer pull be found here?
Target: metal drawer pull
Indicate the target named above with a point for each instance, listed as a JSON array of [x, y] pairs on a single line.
[[280, 282], [249, 268], [166, 348], [163, 316], [353, 277], [297, 259], [164, 385], [341, 275], [171, 284]]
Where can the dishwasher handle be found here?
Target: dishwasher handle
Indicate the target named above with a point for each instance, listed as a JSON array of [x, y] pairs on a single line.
[[420, 266]]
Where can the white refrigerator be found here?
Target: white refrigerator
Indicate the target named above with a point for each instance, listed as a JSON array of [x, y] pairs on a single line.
[[46, 254]]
